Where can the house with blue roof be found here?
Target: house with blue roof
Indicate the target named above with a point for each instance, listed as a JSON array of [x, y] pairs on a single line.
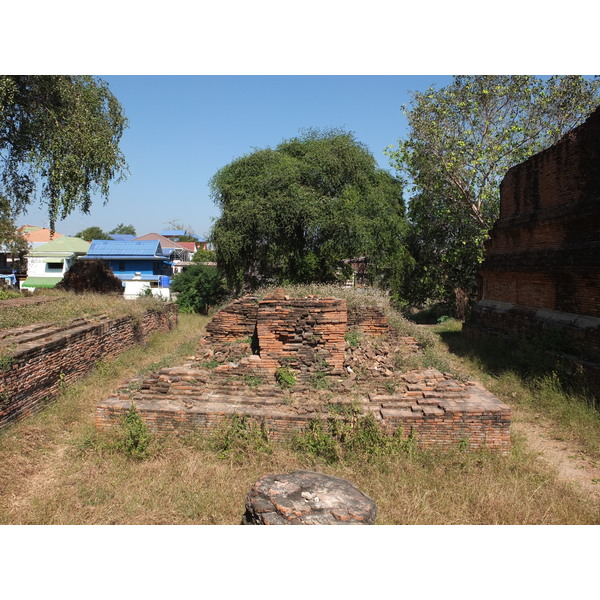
[[122, 237], [140, 264]]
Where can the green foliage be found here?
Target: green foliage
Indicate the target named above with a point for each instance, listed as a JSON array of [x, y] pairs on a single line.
[[285, 377], [252, 380], [203, 255], [135, 439], [315, 440], [293, 213], [93, 233], [352, 336], [199, 287], [463, 138], [12, 240], [123, 229], [6, 362], [351, 436], [240, 436], [60, 142], [9, 294], [319, 381]]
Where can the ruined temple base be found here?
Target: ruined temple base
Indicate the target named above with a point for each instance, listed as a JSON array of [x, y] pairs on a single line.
[[434, 409], [332, 372]]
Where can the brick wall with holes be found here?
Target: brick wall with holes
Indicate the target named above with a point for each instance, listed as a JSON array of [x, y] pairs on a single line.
[[37, 361]]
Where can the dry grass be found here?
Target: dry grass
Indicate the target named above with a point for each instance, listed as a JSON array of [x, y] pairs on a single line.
[[71, 306], [55, 469]]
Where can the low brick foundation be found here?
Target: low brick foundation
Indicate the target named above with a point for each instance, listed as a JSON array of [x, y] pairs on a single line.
[[436, 410], [39, 359], [232, 375]]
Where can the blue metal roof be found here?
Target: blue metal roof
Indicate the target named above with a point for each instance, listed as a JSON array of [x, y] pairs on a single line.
[[168, 232], [122, 237], [117, 249]]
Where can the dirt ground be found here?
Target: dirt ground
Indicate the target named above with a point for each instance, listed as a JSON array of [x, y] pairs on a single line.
[[571, 464]]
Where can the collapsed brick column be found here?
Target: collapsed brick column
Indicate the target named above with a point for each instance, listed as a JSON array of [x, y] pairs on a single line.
[[306, 334]]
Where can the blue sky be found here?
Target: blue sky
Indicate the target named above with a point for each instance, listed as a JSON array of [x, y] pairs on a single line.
[[183, 129]]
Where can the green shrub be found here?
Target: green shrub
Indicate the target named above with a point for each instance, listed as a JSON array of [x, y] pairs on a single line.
[[285, 377], [316, 441], [351, 436], [353, 337], [135, 439], [240, 436], [198, 287], [8, 294]]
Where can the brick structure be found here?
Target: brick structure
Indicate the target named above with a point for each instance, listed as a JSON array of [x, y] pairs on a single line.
[[304, 334], [226, 378], [38, 359], [369, 319], [434, 408], [236, 321], [542, 267]]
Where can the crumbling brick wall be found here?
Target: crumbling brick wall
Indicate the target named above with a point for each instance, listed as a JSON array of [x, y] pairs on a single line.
[[235, 321], [38, 360], [306, 334], [369, 319], [542, 266]]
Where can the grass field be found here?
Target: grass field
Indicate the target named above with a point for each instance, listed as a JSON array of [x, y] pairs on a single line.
[[56, 469]]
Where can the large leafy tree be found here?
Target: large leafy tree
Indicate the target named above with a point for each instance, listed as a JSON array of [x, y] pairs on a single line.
[[59, 143], [123, 229], [93, 233], [462, 140], [292, 213]]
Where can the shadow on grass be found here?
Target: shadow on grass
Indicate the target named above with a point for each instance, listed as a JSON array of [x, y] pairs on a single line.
[[531, 359]]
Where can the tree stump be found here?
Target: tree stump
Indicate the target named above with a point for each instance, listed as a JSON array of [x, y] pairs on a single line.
[[307, 498]]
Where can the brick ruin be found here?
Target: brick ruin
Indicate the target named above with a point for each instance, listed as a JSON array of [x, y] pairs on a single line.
[[541, 274], [37, 360], [235, 372]]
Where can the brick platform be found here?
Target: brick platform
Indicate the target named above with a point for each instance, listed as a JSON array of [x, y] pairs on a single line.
[[439, 411], [228, 378]]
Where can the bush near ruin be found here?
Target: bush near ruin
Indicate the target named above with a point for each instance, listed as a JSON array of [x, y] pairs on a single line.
[[91, 276]]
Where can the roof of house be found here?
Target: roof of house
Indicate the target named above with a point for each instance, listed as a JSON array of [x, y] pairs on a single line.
[[173, 232], [191, 246], [117, 250], [33, 233], [164, 242], [122, 237], [41, 282], [63, 245]]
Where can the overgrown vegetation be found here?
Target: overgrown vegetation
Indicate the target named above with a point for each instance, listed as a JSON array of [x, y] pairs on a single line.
[[285, 377], [349, 436], [56, 468], [7, 294], [529, 375]]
